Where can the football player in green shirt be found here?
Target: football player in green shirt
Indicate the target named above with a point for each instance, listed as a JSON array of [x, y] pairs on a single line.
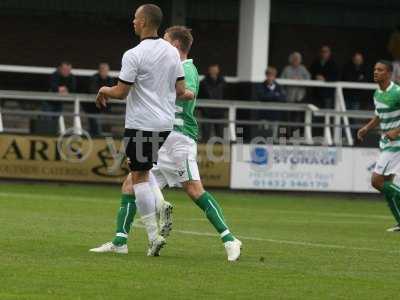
[[387, 116]]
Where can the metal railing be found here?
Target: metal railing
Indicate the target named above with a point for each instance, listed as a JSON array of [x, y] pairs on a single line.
[[339, 109], [337, 112], [231, 106]]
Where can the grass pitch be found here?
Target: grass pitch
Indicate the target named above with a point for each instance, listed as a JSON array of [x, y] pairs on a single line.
[[294, 248]]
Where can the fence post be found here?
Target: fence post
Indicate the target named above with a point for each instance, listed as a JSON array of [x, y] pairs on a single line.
[[307, 127], [77, 117], [346, 122], [1, 120], [327, 130], [232, 119], [337, 129], [61, 124]]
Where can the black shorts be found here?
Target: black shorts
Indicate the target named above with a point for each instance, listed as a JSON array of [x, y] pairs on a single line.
[[142, 148]]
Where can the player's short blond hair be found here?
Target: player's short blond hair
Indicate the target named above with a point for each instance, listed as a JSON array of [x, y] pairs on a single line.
[[181, 34]]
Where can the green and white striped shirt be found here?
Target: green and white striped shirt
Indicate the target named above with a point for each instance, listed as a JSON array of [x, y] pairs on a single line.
[[387, 108]]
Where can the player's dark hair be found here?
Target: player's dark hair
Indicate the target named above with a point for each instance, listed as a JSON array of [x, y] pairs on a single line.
[[388, 64], [183, 35], [153, 14]]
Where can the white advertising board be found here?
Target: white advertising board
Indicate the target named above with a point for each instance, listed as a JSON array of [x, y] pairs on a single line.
[[301, 168]]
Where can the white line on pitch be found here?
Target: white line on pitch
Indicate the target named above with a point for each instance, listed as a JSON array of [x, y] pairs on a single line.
[[286, 242]]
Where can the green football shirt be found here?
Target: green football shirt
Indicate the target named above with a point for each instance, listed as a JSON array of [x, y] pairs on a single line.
[[387, 108], [185, 122]]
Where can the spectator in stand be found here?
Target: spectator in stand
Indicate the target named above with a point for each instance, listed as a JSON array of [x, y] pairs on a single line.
[[355, 71], [295, 70], [101, 78], [212, 87], [270, 91], [62, 81], [394, 49], [324, 68]]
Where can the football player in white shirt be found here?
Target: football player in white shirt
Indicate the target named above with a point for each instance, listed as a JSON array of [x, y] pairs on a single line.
[[151, 78]]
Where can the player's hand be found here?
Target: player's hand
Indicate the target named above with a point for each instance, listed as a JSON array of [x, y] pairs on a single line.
[[361, 133], [102, 98]]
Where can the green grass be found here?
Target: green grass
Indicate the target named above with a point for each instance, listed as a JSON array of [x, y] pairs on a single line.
[[295, 247]]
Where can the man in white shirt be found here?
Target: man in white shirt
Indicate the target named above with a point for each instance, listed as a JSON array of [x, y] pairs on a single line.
[[151, 78]]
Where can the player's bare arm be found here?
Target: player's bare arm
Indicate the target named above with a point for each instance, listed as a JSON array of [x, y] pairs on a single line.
[[180, 88], [119, 91], [188, 95], [392, 134], [373, 123]]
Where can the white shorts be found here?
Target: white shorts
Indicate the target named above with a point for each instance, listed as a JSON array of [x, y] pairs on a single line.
[[176, 161], [388, 163]]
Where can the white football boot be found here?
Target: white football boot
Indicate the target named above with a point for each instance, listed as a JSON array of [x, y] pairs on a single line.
[[232, 249], [110, 247], [394, 229], [165, 221], [155, 246]]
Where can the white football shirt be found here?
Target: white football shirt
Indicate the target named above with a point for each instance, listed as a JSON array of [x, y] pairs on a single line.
[[153, 67]]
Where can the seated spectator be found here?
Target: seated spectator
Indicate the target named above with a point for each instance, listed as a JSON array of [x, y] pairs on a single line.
[[355, 71], [212, 87], [270, 91], [101, 78], [324, 68], [295, 70]]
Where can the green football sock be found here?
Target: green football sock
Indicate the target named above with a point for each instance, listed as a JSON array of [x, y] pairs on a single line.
[[392, 196], [214, 214], [125, 217]]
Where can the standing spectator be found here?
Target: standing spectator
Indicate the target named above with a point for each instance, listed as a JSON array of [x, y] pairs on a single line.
[[270, 91], [355, 71], [101, 78], [295, 70], [324, 68], [62, 81], [212, 87], [394, 49]]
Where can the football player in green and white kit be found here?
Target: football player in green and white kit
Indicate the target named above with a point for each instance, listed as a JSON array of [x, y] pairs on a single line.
[[177, 164], [387, 111]]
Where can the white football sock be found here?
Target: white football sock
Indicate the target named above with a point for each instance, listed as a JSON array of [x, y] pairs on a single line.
[[157, 191], [146, 206], [150, 223]]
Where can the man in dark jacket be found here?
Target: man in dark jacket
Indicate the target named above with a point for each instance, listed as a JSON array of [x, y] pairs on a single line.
[[270, 91], [101, 78], [355, 71], [212, 87], [63, 82], [324, 68]]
